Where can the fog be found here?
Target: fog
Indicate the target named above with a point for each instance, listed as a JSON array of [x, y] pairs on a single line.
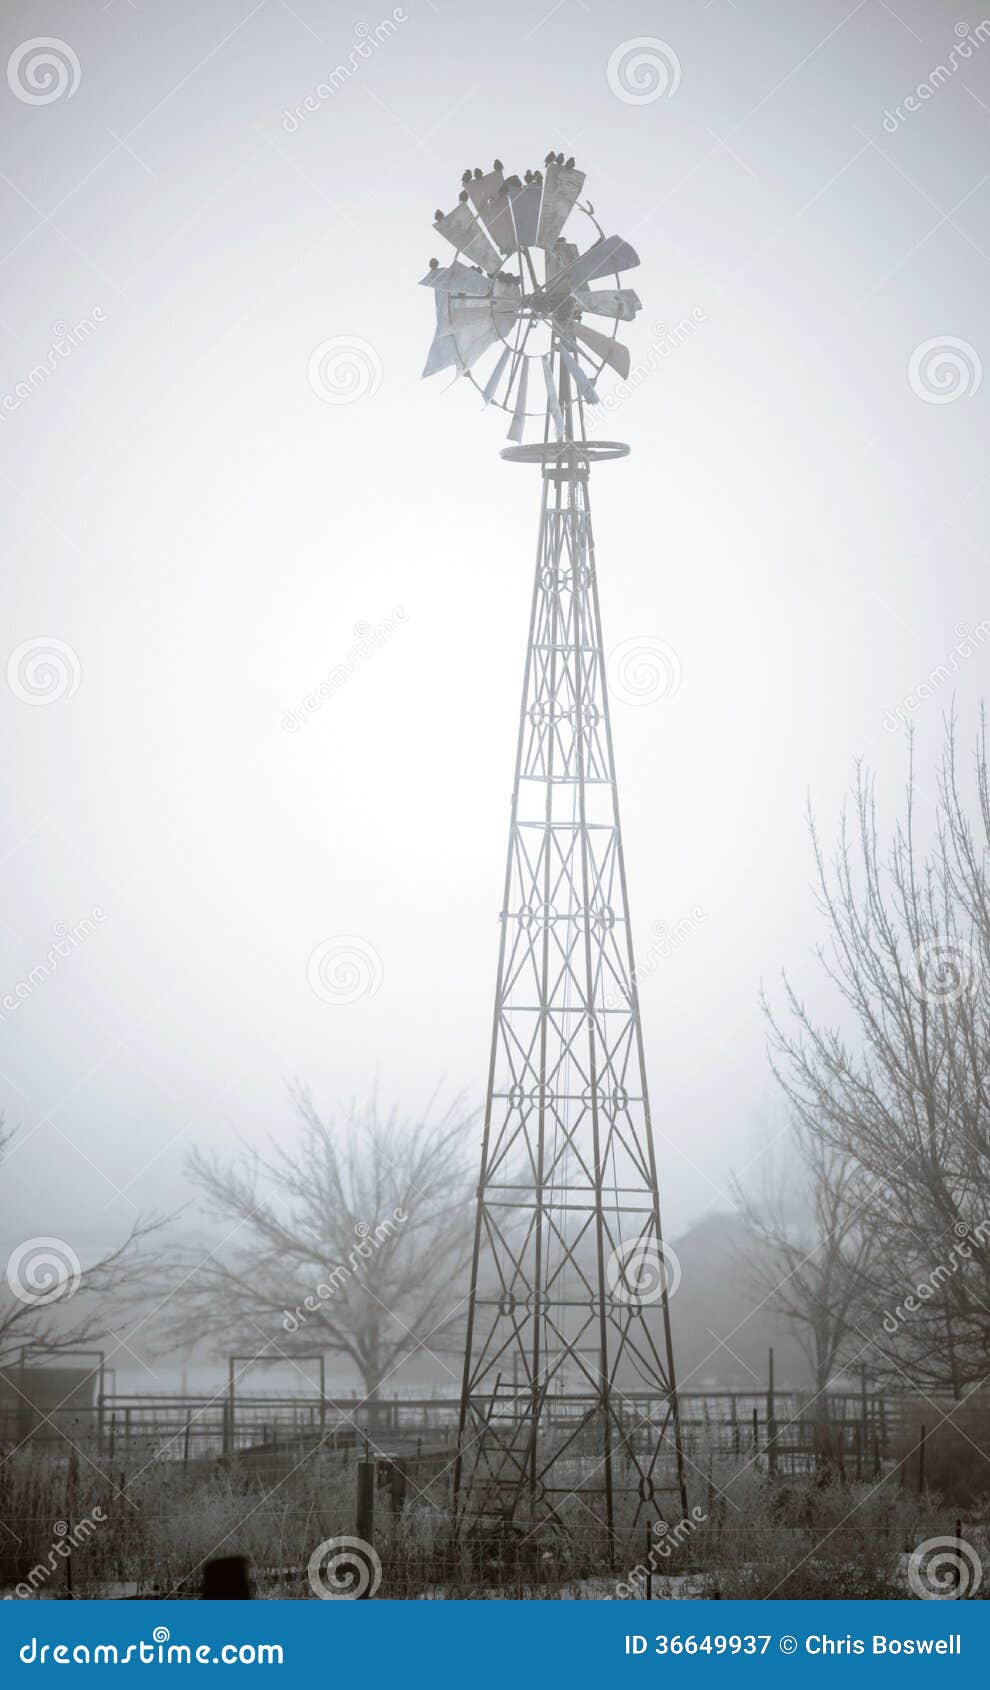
[[196, 537]]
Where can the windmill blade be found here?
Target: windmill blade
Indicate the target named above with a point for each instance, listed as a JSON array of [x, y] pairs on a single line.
[[620, 303], [477, 321], [497, 215], [526, 212], [581, 382], [500, 297], [473, 329], [462, 231], [561, 188], [470, 345], [456, 278], [491, 385], [615, 355], [560, 258], [489, 195], [519, 415], [443, 350], [553, 402], [602, 259], [442, 354], [481, 189]]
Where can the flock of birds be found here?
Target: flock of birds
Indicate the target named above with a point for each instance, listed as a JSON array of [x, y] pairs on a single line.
[[536, 176]]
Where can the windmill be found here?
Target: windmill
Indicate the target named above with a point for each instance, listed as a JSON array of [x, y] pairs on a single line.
[[568, 1402]]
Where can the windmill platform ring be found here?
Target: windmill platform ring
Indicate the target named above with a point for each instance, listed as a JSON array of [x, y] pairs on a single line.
[[553, 451]]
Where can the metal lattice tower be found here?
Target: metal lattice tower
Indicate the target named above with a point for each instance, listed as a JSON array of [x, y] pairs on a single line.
[[568, 1403]]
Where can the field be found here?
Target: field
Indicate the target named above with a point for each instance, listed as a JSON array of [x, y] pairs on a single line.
[[70, 1529]]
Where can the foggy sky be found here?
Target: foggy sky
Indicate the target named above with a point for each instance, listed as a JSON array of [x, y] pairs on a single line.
[[204, 532]]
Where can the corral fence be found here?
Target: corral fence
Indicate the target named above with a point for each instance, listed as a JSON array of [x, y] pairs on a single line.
[[790, 1431], [860, 1432]]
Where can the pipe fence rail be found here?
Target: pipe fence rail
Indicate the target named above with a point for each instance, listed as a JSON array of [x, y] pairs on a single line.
[[787, 1431]]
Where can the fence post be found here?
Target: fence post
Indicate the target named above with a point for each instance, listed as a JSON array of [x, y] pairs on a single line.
[[364, 1522], [921, 1461], [228, 1442], [397, 1486], [185, 1442], [864, 1406], [771, 1421]]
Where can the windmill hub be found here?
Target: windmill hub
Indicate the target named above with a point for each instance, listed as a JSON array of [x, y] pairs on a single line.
[[511, 306]]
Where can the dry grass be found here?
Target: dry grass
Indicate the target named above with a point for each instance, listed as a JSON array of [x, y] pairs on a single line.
[[751, 1536]]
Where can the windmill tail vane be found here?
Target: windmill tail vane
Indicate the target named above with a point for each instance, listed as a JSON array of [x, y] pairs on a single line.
[[568, 1411]]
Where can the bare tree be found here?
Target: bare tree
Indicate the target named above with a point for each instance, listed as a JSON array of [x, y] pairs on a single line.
[[902, 1085], [812, 1248], [351, 1240], [50, 1303]]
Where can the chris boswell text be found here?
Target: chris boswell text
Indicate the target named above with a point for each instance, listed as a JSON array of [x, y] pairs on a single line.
[[815, 1643]]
